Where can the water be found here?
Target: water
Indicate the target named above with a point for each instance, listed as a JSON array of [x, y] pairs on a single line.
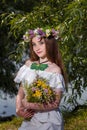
[[7, 105]]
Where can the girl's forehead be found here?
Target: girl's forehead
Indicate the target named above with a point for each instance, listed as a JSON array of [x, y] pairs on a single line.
[[37, 39]]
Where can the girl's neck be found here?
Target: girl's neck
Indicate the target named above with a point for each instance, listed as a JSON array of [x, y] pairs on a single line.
[[43, 60]]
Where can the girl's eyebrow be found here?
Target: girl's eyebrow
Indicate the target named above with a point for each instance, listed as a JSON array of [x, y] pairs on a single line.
[[33, 43]]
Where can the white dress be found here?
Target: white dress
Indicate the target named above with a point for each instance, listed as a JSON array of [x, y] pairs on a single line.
[[51, 120]]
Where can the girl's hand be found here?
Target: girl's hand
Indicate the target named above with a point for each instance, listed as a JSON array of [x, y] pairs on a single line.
[[43, 107], [25, 103], [25, 113]]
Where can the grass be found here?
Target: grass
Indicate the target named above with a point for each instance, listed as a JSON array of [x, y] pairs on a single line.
[[76, 120], [73, 121], [11, 125]]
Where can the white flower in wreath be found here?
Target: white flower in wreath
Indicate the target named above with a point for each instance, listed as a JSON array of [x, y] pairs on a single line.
[[26, 37], [36, 31], [47, 32]]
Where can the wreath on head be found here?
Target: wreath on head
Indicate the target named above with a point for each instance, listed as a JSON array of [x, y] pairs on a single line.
[[40, 33]]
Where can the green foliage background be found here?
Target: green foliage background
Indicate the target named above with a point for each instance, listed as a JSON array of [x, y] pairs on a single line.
[[69, 16]]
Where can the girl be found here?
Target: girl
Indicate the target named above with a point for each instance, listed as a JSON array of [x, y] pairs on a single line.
[[43, 51]]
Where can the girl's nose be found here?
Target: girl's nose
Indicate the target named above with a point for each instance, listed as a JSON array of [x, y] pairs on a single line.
[[37, 48]]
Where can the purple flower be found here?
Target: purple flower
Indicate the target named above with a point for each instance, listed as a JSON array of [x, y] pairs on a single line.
[[31, 33], [41, 33], [54, 33], [33, 89], [46, 90]]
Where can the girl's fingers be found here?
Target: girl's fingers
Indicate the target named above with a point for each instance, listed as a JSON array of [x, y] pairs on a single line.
[[30, 111], [28, 114]]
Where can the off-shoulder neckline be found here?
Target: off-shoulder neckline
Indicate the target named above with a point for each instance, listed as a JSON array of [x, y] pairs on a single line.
[[43, 71]]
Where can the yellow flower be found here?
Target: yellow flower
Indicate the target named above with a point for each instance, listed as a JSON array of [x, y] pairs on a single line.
[[40, 91], [41, 83], [44, 85], [49, 91], [37, 93]]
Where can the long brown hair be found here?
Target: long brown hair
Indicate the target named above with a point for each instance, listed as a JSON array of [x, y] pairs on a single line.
[[53, 54]]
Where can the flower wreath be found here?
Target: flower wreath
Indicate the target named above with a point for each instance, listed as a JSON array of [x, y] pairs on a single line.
[[39, 32]]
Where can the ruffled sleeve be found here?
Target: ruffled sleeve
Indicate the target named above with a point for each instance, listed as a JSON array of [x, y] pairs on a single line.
[[60, 84], [21, 73]]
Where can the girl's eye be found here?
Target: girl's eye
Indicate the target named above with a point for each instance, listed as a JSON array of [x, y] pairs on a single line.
[[41, 42], [33, 44]]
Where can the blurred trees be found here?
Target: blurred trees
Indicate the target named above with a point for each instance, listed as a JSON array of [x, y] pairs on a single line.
[[68, 16]]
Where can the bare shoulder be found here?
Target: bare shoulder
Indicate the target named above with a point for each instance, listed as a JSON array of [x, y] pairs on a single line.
[[28, 62], [55, 68]]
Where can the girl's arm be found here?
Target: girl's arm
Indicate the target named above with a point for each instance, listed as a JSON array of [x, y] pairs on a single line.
[[44, 107], [20, 109]]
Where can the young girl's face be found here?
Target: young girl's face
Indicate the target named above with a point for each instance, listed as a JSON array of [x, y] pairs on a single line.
[[39, 47]]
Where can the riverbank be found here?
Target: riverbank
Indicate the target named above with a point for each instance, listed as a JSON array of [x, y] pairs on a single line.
[[76, 120]]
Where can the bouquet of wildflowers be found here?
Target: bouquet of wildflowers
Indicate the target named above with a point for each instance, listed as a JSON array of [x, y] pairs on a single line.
[[39, 91]]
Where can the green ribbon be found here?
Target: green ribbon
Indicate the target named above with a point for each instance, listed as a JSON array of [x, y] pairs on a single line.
[[39, 66]]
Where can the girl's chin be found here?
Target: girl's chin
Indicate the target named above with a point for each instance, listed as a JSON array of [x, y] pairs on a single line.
[[41, 56]]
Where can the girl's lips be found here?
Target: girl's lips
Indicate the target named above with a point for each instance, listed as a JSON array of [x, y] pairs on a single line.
[[39, 52]]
